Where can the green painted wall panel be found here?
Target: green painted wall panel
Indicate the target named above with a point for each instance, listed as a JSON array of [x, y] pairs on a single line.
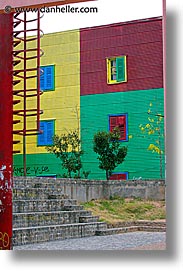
[[38, 165], [95, 110]]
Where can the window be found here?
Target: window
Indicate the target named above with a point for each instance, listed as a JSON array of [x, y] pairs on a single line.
[[120, 121], [47, 78], [48, 128], [119, 176], [116, 70]]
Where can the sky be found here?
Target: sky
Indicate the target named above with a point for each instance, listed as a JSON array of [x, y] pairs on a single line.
[[118, 11]]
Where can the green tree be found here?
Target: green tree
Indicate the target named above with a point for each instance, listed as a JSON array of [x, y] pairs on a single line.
[[110, 154], [67, 147], [154, 128]]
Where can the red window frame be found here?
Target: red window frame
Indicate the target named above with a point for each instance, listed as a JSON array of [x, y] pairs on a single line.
[[119, 176], [120, 121]]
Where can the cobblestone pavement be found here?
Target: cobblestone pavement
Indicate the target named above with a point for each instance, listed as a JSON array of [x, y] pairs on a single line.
[[127, 241]]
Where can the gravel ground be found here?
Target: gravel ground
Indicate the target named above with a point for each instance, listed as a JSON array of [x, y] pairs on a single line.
[[127, 241]]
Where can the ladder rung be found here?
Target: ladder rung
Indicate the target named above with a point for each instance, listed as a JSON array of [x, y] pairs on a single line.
[[16, 23], [16, 62], [16, 101], [17, 132], [15, 82], [15, 92], [16, 14], [16, 152], [16, 141], [27, 70], [16, 121], [16, 43]]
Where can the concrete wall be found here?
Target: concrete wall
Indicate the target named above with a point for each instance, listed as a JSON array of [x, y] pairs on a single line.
[[86, 190]]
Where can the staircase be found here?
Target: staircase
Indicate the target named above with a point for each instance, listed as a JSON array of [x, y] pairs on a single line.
[[42, 212]]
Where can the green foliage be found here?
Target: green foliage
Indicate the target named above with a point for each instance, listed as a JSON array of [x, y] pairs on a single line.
[[86, 174], [110, 154], [154, 128], [67, 147]]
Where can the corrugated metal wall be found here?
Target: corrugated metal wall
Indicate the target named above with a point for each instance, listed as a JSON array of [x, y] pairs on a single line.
[[95, 110], [62, 105], [141, 42], [81, 78]]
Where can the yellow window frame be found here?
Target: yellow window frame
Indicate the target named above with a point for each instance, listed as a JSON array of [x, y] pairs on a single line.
[[109, 69]]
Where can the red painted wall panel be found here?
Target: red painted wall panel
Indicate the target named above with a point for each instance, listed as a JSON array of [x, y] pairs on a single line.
[[130, 27], [141, 41], [6, 103]]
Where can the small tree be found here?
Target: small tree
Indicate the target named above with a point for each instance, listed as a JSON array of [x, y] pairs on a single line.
[[67, 147], [110, 154]]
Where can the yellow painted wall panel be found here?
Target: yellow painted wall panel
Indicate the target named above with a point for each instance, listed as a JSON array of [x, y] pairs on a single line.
[[65, 58], [60, 38], [67, 80], [60, 49], [63, 104], [67, 69]]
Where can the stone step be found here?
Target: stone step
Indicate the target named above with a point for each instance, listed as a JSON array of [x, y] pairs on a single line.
[[34, 182], [39, 234], [44, 205], [30, 219], [73, 207], [88, 219], [42, 211], [120, 230], [38, 193], [38, 182], [154, 223]]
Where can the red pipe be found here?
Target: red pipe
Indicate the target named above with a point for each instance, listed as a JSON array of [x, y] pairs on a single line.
[[6, 122], [38, 71]]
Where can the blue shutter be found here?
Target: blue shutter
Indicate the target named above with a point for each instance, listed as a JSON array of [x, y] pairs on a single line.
[[42, 137], [121, 69], [47, 78], [42, 79], [45, 138], [50, 132]]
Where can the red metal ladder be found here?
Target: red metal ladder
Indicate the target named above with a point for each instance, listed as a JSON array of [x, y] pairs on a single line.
[[22, 54]]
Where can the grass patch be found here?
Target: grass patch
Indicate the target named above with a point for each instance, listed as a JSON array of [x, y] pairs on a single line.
[[119, 209]]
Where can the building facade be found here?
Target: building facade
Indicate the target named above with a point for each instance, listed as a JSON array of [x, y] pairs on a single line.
[[95, 79]]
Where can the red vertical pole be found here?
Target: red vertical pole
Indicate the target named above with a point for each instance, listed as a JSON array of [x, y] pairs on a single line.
[[38, 70], [25, 88], [6, 125]]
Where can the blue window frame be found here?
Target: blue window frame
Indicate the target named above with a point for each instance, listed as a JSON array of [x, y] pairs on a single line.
[[47, 78], [48, 130], [121, 121]]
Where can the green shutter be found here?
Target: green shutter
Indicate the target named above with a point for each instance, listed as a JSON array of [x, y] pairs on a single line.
[[121, 69]]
